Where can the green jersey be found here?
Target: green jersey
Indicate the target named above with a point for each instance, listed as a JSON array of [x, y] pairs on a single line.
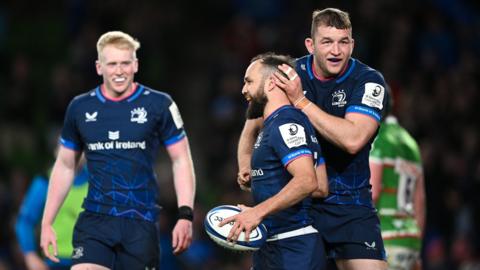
[[399, 154]]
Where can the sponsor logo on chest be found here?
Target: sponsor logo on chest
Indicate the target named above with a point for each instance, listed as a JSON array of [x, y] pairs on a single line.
[[116, 144], [91, 117]]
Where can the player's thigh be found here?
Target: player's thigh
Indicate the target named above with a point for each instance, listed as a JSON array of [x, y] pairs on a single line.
[[89, 266], [400, 258], [140, 246], [350, 232], [360, 264], [301, 252], [94, 240]]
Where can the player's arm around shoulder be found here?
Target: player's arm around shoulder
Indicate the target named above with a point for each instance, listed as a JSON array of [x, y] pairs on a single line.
[[350, 133]]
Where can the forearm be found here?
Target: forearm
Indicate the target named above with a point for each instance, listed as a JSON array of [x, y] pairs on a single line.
[[337, 130], [350, 133], [296, 190], [59, 185], [246, 141], [322, 182], [184, 181], [184, 175]]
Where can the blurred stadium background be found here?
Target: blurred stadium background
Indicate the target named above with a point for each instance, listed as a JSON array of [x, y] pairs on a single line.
[[428, 51]]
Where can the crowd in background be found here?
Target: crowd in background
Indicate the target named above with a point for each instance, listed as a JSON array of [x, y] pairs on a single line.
[[428, 51]]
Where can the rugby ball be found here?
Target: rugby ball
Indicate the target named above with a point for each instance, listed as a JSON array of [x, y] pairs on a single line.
[[219, 234]]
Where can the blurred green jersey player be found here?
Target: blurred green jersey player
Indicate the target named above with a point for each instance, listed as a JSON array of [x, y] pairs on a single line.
[[398, 190]]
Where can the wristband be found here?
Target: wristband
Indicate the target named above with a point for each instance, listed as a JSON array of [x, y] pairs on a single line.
[[185, 212], [306, 106], [298, 101], [302, 103]]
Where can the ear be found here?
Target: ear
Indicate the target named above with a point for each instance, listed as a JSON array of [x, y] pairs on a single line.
[[135, 66], [353, 45], [98, 67], [269, 84], [309, 44]]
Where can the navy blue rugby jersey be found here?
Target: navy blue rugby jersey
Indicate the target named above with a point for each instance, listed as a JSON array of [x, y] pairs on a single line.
[[121, 140], [286, 135], [360, 89]]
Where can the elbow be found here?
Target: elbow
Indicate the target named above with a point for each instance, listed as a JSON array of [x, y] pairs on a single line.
[[354, 146], [321, 190], [312, 184]]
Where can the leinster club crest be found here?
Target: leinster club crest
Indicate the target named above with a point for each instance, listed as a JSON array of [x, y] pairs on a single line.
[[139, 115]]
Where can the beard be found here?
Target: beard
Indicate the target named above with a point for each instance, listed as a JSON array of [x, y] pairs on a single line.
[[257, 106]]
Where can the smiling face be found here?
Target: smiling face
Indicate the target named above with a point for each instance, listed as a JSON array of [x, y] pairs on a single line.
[[117, 66], [254, 90], [331, 48]]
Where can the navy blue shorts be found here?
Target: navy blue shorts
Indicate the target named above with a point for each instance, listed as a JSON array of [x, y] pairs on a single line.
[[349, 231], [304, 252], [115, 242]]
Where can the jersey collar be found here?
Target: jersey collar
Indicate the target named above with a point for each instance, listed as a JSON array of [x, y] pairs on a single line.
[[135, 94], [275, 113]]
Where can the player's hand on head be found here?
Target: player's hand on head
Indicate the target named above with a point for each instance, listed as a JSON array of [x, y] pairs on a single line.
[[182, 236], [291, 85], [48, 238]]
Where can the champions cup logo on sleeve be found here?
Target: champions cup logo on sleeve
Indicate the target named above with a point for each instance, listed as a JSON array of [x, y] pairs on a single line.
[[177, 118], [373, 96], [293, 135]]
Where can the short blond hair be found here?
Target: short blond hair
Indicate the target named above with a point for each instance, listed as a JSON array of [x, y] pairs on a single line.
[[118, 39]]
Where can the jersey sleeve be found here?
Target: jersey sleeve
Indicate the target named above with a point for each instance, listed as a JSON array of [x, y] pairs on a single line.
[[171, 124], [369, 96], [70, 136], [30, 213], [289, 141]]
